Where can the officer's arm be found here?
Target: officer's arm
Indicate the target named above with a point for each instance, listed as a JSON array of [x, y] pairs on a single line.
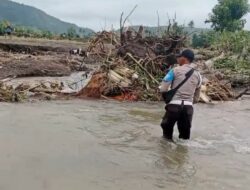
[[198, 90], [197, 95], [167, 81]]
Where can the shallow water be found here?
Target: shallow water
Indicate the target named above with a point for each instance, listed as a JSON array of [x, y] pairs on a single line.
[[98, 145]]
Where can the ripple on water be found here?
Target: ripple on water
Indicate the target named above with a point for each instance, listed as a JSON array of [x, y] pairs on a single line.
[[198, 143], [242, 149], [239, 145]]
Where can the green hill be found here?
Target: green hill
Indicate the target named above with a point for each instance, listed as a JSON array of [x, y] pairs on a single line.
[[23, 15], [155, 30]]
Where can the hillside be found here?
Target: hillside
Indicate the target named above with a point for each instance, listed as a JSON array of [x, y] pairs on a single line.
[[23, 15], [154, 30]]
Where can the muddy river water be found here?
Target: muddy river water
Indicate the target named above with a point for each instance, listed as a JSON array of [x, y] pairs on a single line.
[[99, 145]]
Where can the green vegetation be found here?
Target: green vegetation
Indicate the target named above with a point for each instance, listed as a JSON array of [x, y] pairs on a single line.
[[71, 33], [228, 15], [33, 33], [233, 42], [191, 24], [235, 65], [153, 31], [234, 45], [30, 17], [228, 37], [21, 31], [3, 26], [230, 43], [203, 39]]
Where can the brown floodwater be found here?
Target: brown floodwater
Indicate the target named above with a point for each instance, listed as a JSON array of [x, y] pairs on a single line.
[[99, 145]]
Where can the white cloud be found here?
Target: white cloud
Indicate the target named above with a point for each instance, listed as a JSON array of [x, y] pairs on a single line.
[[98, 13]]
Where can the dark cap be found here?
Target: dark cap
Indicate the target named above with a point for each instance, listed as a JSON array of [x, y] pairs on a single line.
[[189, 54]]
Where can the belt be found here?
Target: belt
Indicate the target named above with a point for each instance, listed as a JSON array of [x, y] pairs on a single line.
[[179, 102]]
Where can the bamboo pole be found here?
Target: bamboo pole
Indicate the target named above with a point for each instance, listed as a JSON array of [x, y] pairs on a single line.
[[139, 64]]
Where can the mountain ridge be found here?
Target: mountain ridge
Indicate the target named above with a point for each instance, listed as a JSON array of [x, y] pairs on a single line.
[[29, 16]]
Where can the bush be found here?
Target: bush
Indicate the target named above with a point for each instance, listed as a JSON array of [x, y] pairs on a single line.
[[227, 42], [235, 46], [71, 33], [233, 65], [203, 40], [3, 25], [233, 42], [21, 31]]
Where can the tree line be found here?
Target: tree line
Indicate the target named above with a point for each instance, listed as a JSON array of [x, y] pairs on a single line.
[[21, 31], [227, 21]]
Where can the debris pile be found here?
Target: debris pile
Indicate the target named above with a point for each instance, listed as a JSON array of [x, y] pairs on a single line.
[[41, 88], [215, 91], [10, 94], [128, 66], [98, 44], [132, 66], [219, 84], [22, 92]]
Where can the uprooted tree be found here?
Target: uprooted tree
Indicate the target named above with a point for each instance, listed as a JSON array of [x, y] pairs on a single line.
[[132, 63]]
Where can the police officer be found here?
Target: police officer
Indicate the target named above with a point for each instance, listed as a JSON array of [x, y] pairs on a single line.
[[180, 109]]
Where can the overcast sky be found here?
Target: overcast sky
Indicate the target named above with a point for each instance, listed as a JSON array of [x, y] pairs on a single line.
[[102, 14]]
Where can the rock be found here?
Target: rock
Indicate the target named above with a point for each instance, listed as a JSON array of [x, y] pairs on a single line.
[[199, 57]]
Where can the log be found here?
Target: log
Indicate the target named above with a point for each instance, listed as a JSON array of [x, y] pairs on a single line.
[[139, 64], [245, 92], [210, 63], [122, 81], [7, 79], [204, 98], [125, 72]]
